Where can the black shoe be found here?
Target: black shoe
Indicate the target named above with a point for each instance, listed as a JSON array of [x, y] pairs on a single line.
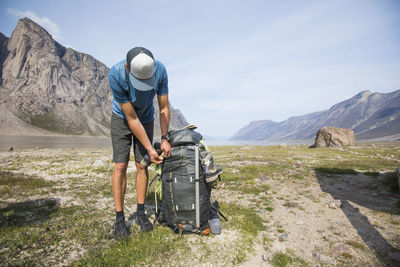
[[144, 222], [120, 230]]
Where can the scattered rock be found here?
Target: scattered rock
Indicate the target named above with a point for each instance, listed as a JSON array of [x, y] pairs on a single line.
[[10, 148], [235, 170], [334, 137], [341, 248], [284, 237], [335, 204], [3, 250], [282, 145], [100, 163], [324, 259], [327, 238], [278, 246], [43, 163], [318, 248]]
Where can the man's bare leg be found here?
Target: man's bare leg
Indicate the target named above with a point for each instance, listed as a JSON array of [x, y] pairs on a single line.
[[142, 176], [118, 182]]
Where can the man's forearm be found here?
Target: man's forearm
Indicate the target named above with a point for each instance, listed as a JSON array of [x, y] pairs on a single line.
[[135, 125], [163, 104], [164, 121], [138, 130]]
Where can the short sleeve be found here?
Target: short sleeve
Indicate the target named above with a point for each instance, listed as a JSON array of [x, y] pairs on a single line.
[[163, 83], [119, 93]]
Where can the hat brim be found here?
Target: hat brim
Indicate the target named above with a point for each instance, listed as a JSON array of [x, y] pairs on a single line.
[[142, 84]]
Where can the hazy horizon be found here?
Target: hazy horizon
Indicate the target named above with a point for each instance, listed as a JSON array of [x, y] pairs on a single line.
[[232, 62]]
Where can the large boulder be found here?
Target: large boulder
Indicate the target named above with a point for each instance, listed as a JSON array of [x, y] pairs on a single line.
[[334, 137]]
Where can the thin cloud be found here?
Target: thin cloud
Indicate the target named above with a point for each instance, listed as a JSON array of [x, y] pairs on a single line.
[[296, 64], [45, 22]]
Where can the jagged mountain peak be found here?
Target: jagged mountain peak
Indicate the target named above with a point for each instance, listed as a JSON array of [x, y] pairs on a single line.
[[352, 102], [363, 94], [29, 27], [47, 86]]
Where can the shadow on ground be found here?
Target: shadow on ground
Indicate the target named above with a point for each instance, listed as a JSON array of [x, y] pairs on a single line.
[[28, 212], [353, 187]]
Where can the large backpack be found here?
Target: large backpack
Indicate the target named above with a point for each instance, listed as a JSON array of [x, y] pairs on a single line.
[[184, 187]]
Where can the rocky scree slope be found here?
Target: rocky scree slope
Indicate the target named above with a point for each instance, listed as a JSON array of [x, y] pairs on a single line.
[[369, 115]]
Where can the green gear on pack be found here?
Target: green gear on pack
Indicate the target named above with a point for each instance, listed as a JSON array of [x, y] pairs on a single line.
[[183, 192]]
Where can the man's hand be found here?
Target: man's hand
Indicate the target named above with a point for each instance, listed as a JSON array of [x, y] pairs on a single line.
[[165, 147], [154, 157]]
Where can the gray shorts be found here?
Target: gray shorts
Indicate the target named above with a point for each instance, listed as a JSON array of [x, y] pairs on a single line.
[[122, 138]]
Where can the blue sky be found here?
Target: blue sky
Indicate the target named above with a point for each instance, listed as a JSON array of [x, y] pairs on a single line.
[[231, 62]]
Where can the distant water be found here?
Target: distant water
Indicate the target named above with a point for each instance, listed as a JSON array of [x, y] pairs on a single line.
[[224, 142], [24, 142], [27, 142]]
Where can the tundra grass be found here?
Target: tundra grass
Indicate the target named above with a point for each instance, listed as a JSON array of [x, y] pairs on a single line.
[[162, 246], [356, 244], [155, 247], [336, 171], [14, 183], [52, 235], [281, 259], [78, 230]]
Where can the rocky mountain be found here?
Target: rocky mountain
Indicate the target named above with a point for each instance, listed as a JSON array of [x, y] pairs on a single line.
[[47, 88], [369, 115]]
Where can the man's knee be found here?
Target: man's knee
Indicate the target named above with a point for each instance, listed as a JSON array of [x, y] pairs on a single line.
[[120, 168], [140, 169]]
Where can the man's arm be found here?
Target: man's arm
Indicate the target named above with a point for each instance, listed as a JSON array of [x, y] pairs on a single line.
[[138, 130], [164, 122]]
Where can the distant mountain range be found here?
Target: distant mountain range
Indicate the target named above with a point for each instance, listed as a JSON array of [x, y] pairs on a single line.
[[369, 115], [46, 88]]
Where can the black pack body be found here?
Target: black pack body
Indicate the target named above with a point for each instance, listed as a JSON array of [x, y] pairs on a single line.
[[179, 182]]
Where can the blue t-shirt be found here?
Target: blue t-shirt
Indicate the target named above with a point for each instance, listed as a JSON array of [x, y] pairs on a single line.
[[123, 91]]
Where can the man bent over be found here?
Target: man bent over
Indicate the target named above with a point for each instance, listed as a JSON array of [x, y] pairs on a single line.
[[134, 82]]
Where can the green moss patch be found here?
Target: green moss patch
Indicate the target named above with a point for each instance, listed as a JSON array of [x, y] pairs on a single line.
[[281, 259], [336, 170], [12, 183]]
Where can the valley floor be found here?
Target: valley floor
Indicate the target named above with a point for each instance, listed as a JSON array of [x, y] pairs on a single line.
[[286, 206]]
